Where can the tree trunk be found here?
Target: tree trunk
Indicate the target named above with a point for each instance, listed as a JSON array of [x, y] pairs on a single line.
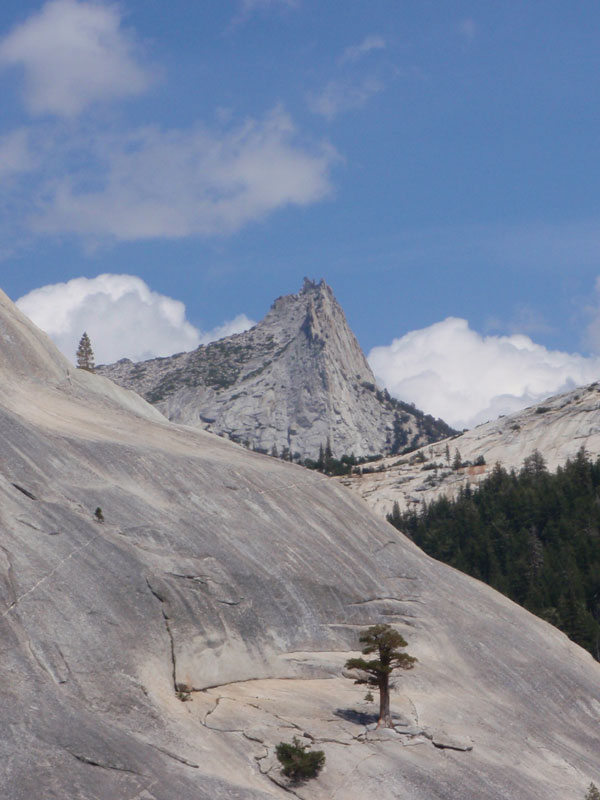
[[385, 717]]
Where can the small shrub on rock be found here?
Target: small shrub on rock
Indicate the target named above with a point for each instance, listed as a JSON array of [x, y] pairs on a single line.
[[297, 763], [593, 793]]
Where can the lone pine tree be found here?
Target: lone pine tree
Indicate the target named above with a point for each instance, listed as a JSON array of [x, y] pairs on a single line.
[[385, 641], [85, 354]]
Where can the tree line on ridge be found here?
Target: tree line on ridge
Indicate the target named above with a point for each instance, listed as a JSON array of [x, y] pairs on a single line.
[[532, 535]]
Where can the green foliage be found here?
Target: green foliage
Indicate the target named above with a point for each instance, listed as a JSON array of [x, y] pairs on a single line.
[[329, 465], [400, 435], [431, 429], [85, 354], [297, 762], [532, 535], [385, 641], [369, 697], [218, 364], [457, 461], [99, 515], [592, 793]]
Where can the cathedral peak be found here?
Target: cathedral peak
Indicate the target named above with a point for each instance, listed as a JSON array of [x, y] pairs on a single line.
[[294, 382]]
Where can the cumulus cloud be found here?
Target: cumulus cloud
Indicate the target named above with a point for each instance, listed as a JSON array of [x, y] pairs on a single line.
[[154, 183], [123, 317], [74, 53], [339, 97], [465, 378], [354, 52]]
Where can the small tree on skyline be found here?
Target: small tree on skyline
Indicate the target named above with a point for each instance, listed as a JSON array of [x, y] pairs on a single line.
[[85, 354], [385, 641]]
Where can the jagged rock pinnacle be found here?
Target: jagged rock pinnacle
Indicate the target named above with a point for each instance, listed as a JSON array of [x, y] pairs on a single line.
[[293, 382]]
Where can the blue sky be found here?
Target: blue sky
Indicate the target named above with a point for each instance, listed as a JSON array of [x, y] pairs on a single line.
[[428, 159]]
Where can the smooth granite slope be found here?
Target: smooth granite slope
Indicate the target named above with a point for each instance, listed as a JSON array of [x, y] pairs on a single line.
[[241, 583]]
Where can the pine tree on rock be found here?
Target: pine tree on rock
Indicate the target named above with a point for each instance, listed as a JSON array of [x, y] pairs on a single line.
[[385, 641], [85, 354], [457, 463], [328, 457]]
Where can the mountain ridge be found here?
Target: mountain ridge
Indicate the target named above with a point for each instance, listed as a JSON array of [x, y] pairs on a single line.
[[556, 428], [295, 381]]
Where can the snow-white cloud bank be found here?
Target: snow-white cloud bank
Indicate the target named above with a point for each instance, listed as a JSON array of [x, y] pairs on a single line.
[[74, 53], [453, 372], [123, 317]]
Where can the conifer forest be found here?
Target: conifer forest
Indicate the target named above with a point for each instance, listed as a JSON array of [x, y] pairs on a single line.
[[532, 534]]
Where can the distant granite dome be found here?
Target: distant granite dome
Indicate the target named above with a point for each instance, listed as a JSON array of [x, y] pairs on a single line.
[[296, 380]]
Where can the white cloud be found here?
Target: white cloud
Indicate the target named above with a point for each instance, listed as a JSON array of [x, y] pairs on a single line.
[[338, 97], [123, 317], [74, 53], [101, 183], [455, 373], [153, 183], [369, 43], [238, 324]]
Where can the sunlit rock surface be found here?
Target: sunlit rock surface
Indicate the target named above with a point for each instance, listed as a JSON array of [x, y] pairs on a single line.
[[164, 652], [293, 382], [556, 428]]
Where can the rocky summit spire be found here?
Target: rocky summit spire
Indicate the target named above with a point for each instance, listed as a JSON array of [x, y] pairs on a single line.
[[292, 383]]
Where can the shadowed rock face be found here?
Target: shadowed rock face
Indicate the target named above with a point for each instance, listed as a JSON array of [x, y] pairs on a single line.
[[292, 382], [244, 581]]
